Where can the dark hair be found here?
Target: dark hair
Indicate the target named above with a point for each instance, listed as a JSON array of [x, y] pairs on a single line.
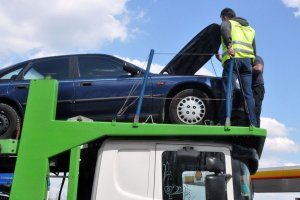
[[228, 12]]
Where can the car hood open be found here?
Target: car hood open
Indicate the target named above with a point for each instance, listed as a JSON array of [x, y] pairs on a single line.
[[196, 53]]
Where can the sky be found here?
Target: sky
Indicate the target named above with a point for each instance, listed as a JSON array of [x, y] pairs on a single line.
[[130, 28]]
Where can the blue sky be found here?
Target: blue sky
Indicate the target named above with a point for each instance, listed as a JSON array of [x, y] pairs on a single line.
[[130, 28]]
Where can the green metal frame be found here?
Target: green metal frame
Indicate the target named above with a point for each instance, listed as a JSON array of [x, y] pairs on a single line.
[[74, 173], [43, 137], [8, 146]]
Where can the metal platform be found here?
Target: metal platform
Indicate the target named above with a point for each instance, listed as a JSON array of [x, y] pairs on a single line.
[[44, 137]]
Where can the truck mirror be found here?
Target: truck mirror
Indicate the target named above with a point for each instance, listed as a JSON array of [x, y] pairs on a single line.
[[215, 187], [247, 155], [214, 164]]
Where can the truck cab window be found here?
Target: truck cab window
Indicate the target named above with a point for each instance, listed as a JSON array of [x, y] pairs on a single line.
[[184, 178], [245, 182], [241, 181]]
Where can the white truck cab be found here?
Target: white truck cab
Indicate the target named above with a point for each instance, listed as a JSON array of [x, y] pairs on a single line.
[[168, 170]]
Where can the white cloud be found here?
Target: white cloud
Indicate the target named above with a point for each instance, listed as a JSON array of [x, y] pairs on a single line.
[[155, 68], [281, 145], [40, 28], [277, 144], [293, 4], [277, 139], [204, 71], [270, 161], [278, 148], [275, 128], [275, 161]]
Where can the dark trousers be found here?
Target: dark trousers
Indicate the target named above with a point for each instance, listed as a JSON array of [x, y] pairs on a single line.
[[258, 94], [244, 67]]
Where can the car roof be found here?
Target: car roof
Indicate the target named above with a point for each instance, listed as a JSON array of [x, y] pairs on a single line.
[[61, 56], [20, 64]]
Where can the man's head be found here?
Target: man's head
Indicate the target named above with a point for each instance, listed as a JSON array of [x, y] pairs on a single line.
[[227, 13]]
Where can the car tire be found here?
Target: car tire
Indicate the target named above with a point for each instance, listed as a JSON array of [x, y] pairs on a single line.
[[10, 122], [191, 106]]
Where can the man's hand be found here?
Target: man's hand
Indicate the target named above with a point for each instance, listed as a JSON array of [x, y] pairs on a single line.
[[219, 57], [257, 69], [231, 52]]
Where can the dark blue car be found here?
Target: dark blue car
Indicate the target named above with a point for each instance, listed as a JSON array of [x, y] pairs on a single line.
[[103, 87]]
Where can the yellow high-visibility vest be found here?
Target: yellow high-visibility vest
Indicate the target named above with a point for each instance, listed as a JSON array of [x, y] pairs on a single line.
[[242, 39]]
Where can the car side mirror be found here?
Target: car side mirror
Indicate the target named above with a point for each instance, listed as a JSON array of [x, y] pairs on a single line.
[[13, 77], [215, 187], [215, 165], [130, 69]]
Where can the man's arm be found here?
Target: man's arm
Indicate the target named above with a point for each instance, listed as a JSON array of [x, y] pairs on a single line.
[[254, 47], [226, 35], [258, 65], [258, 68]]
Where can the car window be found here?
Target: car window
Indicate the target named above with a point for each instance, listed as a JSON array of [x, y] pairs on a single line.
[[55, 68], [13, 72], [92, 66]]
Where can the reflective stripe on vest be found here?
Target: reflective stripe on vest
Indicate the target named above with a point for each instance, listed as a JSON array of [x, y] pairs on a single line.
[[242, 39], [237, 50]]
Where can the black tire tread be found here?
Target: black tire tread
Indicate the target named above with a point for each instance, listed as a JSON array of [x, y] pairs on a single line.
[[12, 132]]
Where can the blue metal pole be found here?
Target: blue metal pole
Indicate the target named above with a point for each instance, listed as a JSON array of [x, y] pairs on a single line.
[[138, 110], [229, 93]]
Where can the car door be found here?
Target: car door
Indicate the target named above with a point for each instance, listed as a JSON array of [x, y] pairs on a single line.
[[105, 91], [56, 68]]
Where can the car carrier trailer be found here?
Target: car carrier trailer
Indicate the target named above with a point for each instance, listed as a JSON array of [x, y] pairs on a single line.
[[128, 161]]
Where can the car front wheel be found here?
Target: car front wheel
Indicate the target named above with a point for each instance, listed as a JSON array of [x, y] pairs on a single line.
[[9, 122], [191, 106]]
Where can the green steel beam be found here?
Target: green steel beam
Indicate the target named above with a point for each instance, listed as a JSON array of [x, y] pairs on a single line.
[[43, 137], [8, 146], [74, 173]]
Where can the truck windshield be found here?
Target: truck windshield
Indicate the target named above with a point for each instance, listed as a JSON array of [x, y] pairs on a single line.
[[241, 181], [245, 182], [184, 179]]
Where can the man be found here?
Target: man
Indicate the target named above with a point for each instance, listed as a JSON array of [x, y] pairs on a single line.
[[258, 86], [238, 42]]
